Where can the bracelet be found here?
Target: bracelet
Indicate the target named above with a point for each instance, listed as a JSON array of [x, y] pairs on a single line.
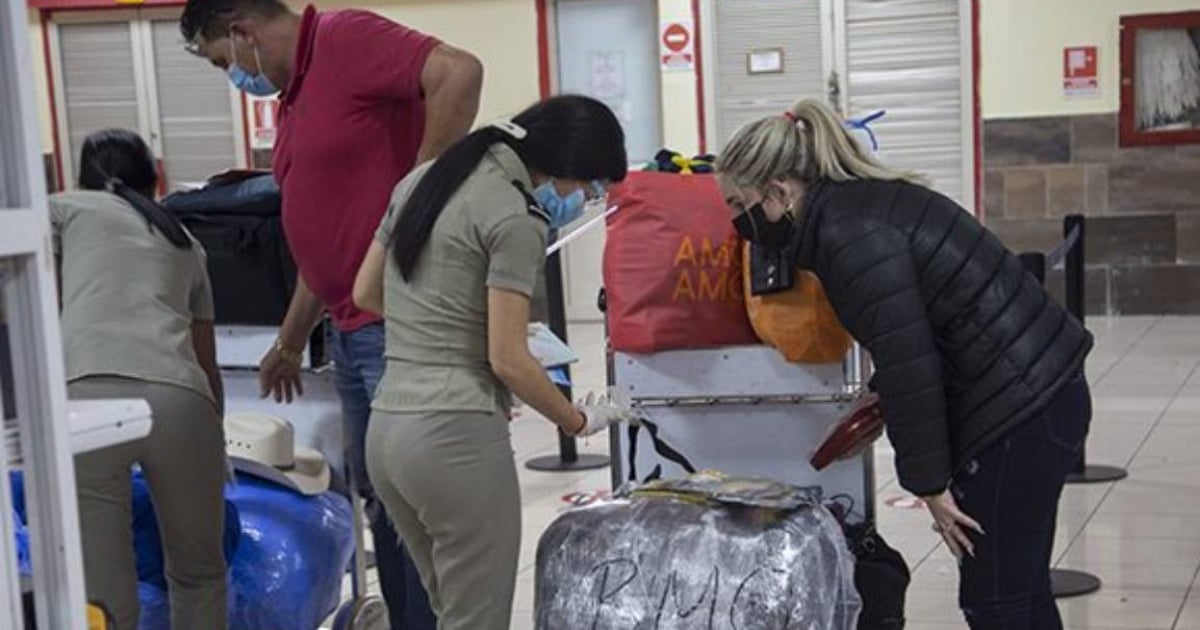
[[295, 358]]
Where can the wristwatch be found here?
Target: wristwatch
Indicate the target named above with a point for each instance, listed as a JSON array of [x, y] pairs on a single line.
[[295, 358]]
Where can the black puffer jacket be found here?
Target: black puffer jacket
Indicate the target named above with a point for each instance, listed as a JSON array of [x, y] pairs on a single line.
[[966, 344]]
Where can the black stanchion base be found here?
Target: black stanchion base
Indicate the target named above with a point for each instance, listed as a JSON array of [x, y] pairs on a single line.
[[1094, 473], [555, 463], [1069, 583]]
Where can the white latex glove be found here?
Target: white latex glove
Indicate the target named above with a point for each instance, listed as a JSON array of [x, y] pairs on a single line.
[[601, 412]]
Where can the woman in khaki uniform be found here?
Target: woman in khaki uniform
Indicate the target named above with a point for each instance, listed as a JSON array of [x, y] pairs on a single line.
[[137, 322], [467, 236]]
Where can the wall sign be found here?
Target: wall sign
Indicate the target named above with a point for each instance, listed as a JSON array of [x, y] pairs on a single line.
[[678, 46], [767, 61], [1080, 75], [263, 122]]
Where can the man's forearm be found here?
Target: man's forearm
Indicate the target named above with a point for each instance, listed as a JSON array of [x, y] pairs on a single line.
[[303, 315]]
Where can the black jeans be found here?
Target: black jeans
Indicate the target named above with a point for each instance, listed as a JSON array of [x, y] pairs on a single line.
[[1012, 489]]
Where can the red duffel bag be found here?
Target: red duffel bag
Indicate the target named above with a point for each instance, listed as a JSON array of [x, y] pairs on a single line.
[[673, 266]]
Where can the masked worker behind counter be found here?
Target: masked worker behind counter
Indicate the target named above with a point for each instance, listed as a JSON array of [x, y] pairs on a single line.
[[978, 370], [457, 258], [137, 322]]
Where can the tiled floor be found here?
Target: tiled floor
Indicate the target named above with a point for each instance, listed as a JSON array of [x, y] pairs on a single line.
[[1140, 535]]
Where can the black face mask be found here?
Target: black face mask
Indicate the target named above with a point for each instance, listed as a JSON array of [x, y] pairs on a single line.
[[753, 226]]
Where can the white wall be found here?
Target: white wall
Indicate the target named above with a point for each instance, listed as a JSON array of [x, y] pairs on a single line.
[[502, 33], [681, 110], [1022, 45]]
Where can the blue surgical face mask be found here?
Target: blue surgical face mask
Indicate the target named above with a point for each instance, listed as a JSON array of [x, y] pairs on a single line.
[[252, 84], [562, 210]]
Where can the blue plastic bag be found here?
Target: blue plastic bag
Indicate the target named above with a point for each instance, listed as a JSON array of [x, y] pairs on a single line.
[[16, 486], [147, 543], [24, 565], [287, 571], [287, 574]]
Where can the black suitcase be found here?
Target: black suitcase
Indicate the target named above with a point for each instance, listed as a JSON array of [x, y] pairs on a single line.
[[249, 263]]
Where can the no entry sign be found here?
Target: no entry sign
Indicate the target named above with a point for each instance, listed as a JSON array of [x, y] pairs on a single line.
[[678, 45]]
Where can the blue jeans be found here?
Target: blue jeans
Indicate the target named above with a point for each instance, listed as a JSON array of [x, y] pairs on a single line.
[[358, 367], [1012, 489]]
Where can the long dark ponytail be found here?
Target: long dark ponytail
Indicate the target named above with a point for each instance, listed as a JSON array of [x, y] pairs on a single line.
[[118, 161], [572, 137]]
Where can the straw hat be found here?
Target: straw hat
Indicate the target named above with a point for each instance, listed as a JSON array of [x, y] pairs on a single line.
[[265, 446]]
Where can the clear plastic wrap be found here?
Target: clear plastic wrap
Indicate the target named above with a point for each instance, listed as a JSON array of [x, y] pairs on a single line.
[[675, 558]]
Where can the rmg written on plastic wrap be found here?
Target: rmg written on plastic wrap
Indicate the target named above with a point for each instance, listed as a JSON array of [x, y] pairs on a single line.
[[766, 599], [708, 272]]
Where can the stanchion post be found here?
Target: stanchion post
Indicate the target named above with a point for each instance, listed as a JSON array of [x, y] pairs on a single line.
[[1073, 270], [1064, 582], [1076, 302], [568, 457]]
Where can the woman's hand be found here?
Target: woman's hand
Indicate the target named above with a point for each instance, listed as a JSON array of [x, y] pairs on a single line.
[[952, 523], [599, 412]]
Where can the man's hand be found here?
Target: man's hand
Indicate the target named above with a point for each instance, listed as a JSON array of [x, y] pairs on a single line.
[[952, 524], [279, 376]]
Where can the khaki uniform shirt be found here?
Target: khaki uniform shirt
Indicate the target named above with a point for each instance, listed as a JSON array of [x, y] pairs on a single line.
[[489, 235], [129, 296]]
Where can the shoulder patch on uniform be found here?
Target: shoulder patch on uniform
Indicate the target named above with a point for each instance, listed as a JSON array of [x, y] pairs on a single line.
[[531, 205]]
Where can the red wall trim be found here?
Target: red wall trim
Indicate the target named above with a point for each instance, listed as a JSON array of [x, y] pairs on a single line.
[[543, 45], [1128, 133], [74, 5], [44, 22], [699, 52], [242, 100], [977, 108]]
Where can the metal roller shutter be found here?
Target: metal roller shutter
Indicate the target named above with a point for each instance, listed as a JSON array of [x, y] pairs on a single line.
[[195, 117], [742, 26], [906, 56]]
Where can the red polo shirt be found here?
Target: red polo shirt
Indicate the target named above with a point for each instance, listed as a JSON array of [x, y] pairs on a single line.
[[350, 125]]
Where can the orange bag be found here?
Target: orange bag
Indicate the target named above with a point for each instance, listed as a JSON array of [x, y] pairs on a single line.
[[799, 322]]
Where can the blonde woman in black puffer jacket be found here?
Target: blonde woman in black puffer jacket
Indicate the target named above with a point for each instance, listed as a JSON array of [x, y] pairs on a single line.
[[978, 370]]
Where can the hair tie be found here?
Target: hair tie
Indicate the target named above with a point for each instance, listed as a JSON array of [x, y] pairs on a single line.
[[791, 117], [511, 128], [110, 184]]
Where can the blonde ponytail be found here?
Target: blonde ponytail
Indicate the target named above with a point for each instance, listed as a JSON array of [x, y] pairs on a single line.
[[807, 143]]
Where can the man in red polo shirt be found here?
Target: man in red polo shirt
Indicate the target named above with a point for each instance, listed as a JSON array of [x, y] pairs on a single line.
[[364, 99]]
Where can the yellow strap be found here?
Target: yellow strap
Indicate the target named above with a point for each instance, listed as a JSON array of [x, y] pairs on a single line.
[[96, 619], [684, 164]]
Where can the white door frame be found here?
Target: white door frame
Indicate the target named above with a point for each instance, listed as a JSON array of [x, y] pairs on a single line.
[[31, 310]]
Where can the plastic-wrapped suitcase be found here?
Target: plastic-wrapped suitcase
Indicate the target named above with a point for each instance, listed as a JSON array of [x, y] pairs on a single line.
[[702, 552]]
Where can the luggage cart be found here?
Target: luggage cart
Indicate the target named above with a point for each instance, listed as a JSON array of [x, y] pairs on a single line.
[[742, 410], [364, 611]]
